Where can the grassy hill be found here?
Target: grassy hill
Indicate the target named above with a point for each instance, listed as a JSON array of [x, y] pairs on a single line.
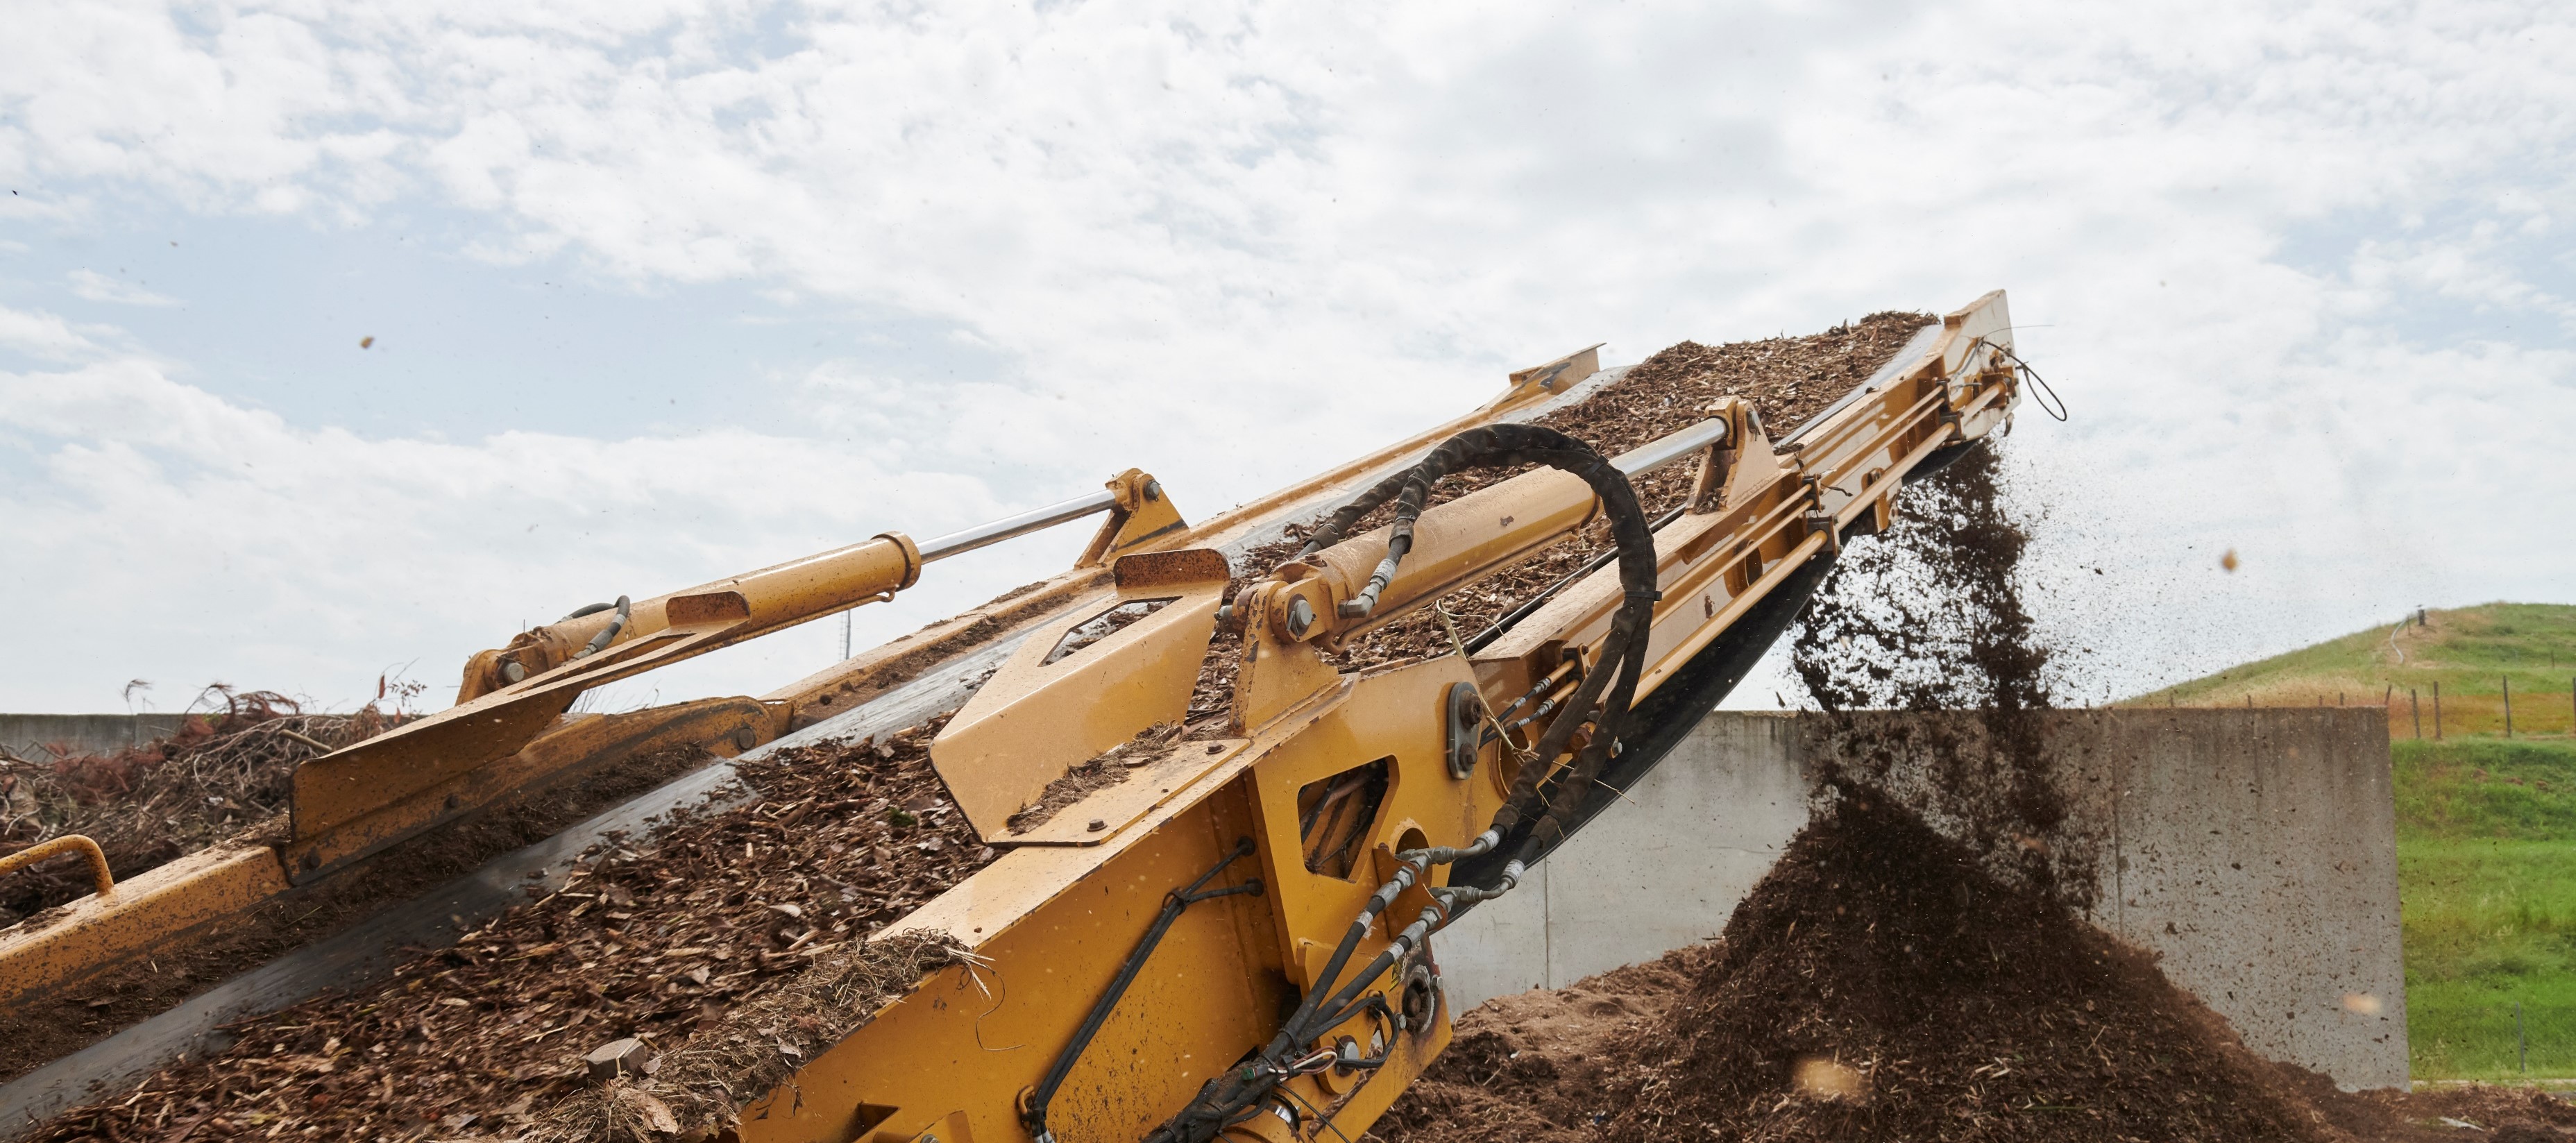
[[2486, 826], [2471, 654]]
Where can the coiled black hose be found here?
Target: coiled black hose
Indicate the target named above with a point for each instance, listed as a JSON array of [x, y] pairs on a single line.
[[1601, 700]]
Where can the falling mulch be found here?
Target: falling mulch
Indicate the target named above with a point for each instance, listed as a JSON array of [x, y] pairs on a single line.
[[1886, 981], [727, 926], [227, 770], [1787, 380], [1928, 618]]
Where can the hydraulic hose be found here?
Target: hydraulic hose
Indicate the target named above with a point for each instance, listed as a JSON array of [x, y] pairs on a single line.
[[1601, 700], [608, 634]]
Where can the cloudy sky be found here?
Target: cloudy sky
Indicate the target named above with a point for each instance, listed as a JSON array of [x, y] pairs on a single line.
[[664, 290]]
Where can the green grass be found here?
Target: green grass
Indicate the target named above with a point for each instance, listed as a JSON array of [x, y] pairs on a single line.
[[2486, 873]]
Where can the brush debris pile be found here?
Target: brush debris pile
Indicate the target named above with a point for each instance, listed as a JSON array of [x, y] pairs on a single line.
[[715, 935], [225, 771]]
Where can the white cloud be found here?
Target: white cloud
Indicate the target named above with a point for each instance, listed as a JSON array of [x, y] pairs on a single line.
[[1235, 243], [42, 335], [226, 543], [98, 287]]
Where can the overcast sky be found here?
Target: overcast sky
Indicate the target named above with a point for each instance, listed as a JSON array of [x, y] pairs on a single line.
[[662, 291]]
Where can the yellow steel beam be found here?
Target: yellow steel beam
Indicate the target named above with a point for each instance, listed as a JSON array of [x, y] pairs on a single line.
[[143, 912]]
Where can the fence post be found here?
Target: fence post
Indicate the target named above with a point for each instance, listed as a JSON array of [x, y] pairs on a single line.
[[2508, 704], [2437, 712], [2521, 1044], [2415, 703]]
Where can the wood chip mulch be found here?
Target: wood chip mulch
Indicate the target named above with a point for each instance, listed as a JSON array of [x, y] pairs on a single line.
[[686, 938]]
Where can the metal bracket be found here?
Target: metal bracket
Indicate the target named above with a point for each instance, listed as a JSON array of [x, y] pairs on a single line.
[[1464, 708]]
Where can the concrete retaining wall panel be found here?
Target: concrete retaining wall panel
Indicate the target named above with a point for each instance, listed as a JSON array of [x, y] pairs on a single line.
[[2258, 860], [31, 735]]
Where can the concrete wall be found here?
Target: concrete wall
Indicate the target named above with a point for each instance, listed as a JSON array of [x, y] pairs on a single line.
[[2253, 851], [28, 735], [1692, 838]]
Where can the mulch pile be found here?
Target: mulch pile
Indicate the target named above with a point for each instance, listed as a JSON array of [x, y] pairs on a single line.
[[1879, 984], [712, 945], [226, 771]]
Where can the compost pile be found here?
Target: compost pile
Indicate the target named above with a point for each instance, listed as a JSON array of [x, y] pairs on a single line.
[[1787, 380], [227, 770], [729, 935], [1879, 984]]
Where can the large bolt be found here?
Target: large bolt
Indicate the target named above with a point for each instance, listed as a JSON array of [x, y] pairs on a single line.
[[1153, 491], [1301, 617], [511, 670]]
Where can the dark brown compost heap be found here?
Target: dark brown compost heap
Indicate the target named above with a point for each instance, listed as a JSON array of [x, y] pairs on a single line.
[[1880, 985], [724, 931]]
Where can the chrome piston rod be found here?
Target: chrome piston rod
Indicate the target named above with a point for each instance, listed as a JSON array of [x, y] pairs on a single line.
[[986, 535]]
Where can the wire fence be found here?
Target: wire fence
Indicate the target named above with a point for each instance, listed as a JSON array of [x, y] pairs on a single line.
[[2490, 1041]]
